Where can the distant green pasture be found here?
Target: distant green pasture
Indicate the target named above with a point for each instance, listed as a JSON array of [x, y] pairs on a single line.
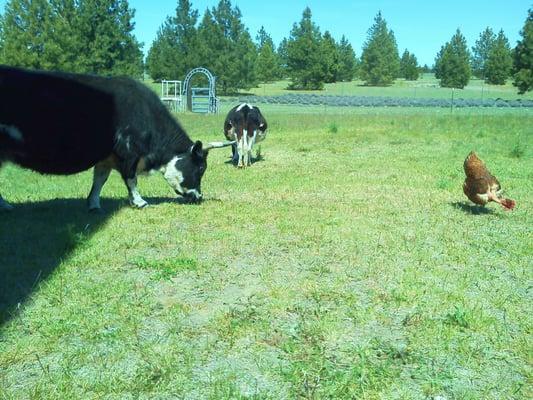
[[425, 87]]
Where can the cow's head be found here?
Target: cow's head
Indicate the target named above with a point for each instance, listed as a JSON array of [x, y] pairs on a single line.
[[185, 171]]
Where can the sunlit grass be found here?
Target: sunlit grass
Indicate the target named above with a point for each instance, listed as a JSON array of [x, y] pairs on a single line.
[[345, 264]]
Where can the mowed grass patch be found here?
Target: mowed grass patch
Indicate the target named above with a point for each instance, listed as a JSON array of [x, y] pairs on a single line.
[[347, 263]]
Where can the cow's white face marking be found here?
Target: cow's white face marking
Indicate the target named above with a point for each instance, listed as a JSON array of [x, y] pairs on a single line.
[[173, 176], [175, 179], [12, 131]]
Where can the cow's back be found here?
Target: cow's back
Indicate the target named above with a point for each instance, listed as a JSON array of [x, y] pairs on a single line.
[[64, 125]]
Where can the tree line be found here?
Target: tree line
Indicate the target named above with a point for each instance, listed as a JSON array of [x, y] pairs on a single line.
[[221, 43], [491, 59], [96, 36]]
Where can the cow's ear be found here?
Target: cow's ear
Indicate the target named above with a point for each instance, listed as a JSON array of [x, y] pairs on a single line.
[[197, 150]]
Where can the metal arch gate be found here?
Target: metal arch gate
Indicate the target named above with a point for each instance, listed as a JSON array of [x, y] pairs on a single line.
[[201, 100]]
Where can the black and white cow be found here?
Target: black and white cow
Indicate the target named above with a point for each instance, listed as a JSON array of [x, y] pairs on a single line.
[[246, 126], [60, 123]]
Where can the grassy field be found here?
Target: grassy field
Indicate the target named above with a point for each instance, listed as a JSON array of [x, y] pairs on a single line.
[[345, 264]]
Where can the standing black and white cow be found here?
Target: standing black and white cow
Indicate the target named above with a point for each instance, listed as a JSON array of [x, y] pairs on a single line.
[[246, 126], [59, 123]]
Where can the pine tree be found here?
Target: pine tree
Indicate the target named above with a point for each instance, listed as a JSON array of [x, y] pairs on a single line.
[[268, 64], [409, 66], [523, 57], [305, 64], [380, 61], [227, 49], [64, 43], [452, 65], [106, 31], [25, 28], [347, 61], [213, 49], [263, 38], [283, 57], [161, 60], [72, 35], [499, 61], [174, 51], [187, 37], [480, 52], [241, 49], [330, 57], [1, 36]]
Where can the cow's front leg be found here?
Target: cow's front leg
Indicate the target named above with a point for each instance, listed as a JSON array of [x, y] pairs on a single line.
[[4, 205], [135, 198], [100, 175]]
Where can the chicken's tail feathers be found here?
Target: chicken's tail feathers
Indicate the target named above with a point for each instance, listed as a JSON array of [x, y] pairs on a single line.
[[508, 204]]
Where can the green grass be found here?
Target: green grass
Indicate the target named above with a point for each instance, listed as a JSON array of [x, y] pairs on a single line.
[[345, 264]]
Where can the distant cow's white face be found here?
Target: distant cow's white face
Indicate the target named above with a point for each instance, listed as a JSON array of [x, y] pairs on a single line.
[[185, 171]]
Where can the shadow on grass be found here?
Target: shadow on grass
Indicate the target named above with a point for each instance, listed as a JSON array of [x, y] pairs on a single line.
[[37, 236], [259, 158], [470, 209], [34, 239]]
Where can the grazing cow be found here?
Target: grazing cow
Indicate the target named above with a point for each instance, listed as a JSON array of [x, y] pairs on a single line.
[[246, 126], [61, 123]]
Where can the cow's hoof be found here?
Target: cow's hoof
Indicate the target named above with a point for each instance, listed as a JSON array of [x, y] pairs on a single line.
[[140, 205], [97, 211]]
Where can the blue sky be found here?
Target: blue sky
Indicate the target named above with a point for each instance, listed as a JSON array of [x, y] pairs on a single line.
[[421, 26]]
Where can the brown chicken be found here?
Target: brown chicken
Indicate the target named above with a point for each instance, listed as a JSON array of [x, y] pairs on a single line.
[[480, 185]]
